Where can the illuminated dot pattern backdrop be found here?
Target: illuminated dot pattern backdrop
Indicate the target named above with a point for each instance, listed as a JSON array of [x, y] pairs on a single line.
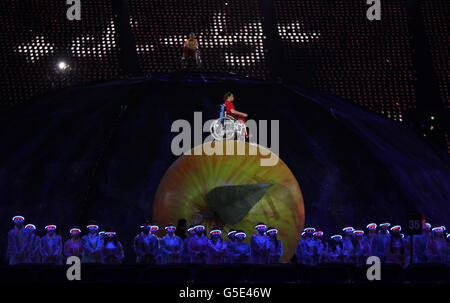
[[435, 14], [329, 46], [336, 49], [229, 32], [36, 36]]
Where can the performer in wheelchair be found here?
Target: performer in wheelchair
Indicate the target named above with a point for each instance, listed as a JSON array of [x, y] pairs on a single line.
[[231, 111], [191, 52]]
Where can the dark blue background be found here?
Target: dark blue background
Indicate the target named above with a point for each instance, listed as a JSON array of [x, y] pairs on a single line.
[[78, 154]]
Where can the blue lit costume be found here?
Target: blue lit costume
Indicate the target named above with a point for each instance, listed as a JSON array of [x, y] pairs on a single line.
[[112, 252], [305, 251], [171, 249], [51, 249], [275, 251], [216, 251], [334, 253], [241, 252], [146, 248], [320, 251], [259, 250], [33, 254], [92, 248], [229, 250], [198, 248], [17, 245], [382, 239]]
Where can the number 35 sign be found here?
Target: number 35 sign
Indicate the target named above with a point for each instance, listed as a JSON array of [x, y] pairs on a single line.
[[414, 224]]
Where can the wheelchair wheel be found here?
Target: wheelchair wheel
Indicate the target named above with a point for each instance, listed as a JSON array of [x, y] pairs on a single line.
[[222, 129]]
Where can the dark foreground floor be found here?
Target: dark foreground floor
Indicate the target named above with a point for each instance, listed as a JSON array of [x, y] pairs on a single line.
[[245, 274]]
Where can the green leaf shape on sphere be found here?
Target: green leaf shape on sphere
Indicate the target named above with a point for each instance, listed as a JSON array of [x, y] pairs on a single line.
[[233, 202]]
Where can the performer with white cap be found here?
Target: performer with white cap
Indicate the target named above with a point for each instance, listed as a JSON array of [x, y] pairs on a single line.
[[305, 247], [154, 231], [51, 246], [112, 250], [274, 246], [229, 250], [371, 237], [145, 245], [33, 254], [448, 249], [335, 250], [298, 250], [216, 247], [362, 248], [397, 249], [74, 246], [420, 243], [320, 248], [17, 242], [171, 246], [436, 250], [198, 246], [382, 240], [259, 245], [186, 258], [348, 245], [92, 244], [241, 251]]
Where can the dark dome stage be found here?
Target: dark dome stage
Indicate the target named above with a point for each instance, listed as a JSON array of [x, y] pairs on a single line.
[[100, 152]]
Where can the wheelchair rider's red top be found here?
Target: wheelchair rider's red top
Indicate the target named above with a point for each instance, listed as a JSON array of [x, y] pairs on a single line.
[[228, 107]]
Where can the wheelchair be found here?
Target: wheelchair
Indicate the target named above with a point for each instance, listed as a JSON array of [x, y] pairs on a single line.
[[227, 127], [191, 62]]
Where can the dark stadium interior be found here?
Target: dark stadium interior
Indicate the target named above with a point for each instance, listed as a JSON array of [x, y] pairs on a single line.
[[363, 107]]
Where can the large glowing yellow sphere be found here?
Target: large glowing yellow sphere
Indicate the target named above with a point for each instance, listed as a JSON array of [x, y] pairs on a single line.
[[183, 191]]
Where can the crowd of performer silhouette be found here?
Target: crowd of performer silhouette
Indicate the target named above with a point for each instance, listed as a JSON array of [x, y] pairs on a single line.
[[193, 245]]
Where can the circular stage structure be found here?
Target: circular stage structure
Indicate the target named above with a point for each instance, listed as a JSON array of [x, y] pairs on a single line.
[[230, 189]]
